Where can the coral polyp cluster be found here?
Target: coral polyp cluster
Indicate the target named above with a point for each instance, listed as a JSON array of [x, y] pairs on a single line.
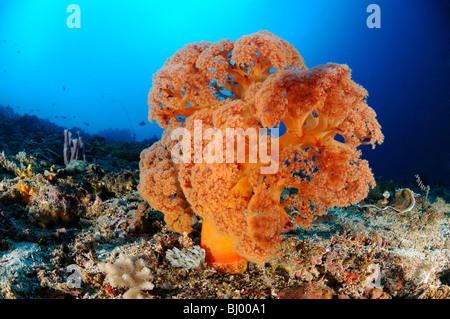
[[259, 81]]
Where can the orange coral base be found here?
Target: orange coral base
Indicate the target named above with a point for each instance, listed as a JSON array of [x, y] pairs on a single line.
[[219, 251]]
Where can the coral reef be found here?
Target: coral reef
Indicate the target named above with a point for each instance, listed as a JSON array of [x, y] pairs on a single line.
[[18, 270], [73, 232], [50, 206], [352, 252]]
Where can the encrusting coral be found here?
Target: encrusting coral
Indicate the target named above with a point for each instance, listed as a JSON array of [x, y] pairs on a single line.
[[258, 81]]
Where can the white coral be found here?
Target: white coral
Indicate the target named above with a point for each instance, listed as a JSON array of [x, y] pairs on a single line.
[[128, 272], [187, 258]]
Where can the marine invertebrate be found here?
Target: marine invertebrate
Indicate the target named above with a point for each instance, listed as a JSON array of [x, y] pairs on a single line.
[[187, 258], [259, 81], [128, 272], [424, 188], [73, 147], [22, 157], [220, 253], [403, 201], [7, 165], [26, 191], [24, 172], [49, 206]]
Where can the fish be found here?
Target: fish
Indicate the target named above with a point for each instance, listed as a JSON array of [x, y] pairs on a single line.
[[85, 123], [142, 123], [63, 117], [64, 88]]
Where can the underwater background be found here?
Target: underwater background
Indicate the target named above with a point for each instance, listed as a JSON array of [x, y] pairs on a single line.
[[97, 77], [107, 215]]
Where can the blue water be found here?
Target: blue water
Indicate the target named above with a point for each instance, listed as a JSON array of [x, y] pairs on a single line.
[[98, 76]]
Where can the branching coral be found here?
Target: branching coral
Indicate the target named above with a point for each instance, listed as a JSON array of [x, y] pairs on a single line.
[[258, 81], [130, 273]]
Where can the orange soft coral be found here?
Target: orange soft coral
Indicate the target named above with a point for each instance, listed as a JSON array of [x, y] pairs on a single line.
[[259, 81]]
